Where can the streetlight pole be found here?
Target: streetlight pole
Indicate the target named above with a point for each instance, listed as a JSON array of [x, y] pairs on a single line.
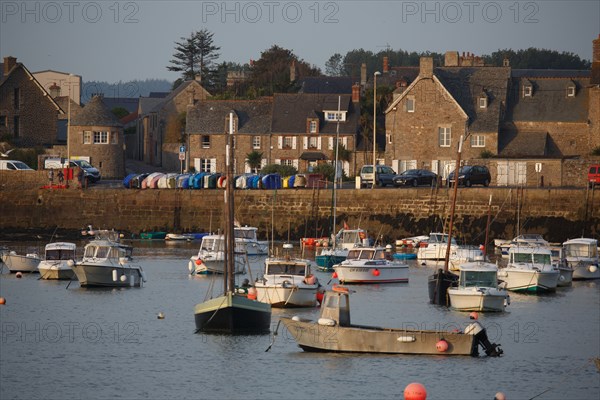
[[374, 126], [68, 130]]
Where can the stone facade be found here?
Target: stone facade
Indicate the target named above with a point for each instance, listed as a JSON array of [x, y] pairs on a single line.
[[28, 115], [60, 84]]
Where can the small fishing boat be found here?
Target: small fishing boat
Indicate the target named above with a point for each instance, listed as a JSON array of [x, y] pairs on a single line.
[[246, 237], [107, 262], [58, 258], [582, 256], [287, 282], [345, 240], [174, 237], [211, 257], [434, 248], [371, 265], [21, 263], [477, 289], [333, 332], [137, 181], [153, 235], [530, 269], [527, 239]]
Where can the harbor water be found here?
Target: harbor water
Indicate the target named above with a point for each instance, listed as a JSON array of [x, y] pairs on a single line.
[[60, 341]]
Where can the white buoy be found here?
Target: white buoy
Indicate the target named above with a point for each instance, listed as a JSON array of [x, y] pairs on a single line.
[[123, 278], [160, 315], [115, 275]]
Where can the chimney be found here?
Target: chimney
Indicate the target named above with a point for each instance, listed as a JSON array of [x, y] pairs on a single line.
[[198, 78], [386, 66], [363, 74], [596, 50], [293, 71], [426, 67], [506, 62], [9, 63], [451, 59], [54, 90], [355, 93]]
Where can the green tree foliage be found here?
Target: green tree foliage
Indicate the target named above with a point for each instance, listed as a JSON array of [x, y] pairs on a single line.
[[271, 73], [533, 58], [283, 170], [120, 112], [195, 55], [335, 65], [327, 170], [254, 160]]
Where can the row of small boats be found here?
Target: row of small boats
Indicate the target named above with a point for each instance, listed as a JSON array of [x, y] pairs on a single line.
[[206, 180]]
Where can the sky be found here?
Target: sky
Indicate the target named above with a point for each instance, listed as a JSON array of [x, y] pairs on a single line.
[[124, 40]]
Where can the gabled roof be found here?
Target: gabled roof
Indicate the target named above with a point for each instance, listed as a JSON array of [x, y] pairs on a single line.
[[550, 73], [147, 104], [209, 116], [326, 84], [179, 89], [128, 103], [549, 101], [32, 78], [290, 112], [95, 113], [523, 144]]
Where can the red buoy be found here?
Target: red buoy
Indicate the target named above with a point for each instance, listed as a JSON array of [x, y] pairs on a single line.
[[473, 315], [376, 272], [198, 261], [2, 300], [441, 346], [18, 274], [334, 275], [320, 296], [415, 391]]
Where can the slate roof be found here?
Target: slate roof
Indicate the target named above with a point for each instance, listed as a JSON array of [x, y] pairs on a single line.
[[466, 84], [208, 117], [549, 101], [326, 84], [128, 103], [62, 101], [550, 73], [95, 113], [147, 104], [524, 144], [174, 93], [290, 112]]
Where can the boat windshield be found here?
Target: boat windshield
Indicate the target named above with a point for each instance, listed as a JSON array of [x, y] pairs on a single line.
[[581, 250], [245, 234], [350, 237], [60, 254], [440, 238], [366, 254], [211, 244], [286, 269], [479, 278], [529, 258]]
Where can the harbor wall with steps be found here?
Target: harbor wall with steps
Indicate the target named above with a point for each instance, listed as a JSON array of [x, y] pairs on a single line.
[[558, 214]]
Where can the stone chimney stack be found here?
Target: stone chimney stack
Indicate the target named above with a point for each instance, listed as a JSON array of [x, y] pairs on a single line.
[[596, 50], [451, 59], [54, 90], [386, 66], [426, 67], [293, 71], [363, 74], [355, 93], [9, 63]]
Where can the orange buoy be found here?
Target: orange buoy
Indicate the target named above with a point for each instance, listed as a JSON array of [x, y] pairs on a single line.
[[310, 279], [2, 300], [415, 391], [499, 396], [18, 274], [376, 272], [320, 296], [441, 346], [340, 289], [334, 275], [198, 261], [252, 295], [473, 315]]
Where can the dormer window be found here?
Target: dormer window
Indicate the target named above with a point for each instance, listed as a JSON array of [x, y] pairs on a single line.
[[527, 88], [571, 90], [235, 123], [335, 116], [312, 125], [483, 102]]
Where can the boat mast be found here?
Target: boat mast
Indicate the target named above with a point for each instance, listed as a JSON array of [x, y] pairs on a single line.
[[335, 175], [229, 208], [450, 225], [487, 228]]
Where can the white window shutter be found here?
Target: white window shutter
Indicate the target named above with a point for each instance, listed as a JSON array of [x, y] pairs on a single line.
[[213, 165], [294, 142], [305, 143], [319, 143], [295, 162], [277, 161], [345, 142], [434, 166], [330, 143], [247, 169], [263, 162], [280, 142], [197, 164], [395, 166]]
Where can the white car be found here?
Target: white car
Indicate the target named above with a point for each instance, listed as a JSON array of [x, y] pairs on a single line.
[[14, 165]]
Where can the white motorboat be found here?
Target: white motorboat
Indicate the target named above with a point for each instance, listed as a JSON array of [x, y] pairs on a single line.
[[108, 263], [528, 239], [582, 256], [371, 265], [434, 248], [58, 258], [287, 282], [21, 263], [246, 237], [411, 242], [211, 257], [345, 240], [530, 269], [477, 289]]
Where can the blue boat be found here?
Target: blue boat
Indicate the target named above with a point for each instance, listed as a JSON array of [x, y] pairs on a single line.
[[405, 256], [291, 181], [127, 180], [271, 181], [330, 257]]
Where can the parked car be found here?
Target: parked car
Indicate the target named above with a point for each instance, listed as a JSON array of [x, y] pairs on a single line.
[[384, 175], [594, 175], [90, 173], [416, 177], [471, 175], [14, 165]]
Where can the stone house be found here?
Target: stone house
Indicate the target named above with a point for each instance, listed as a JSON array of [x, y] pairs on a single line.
[[304, 128], [208, 124], [28, 114], [96, 135], [60, 84]]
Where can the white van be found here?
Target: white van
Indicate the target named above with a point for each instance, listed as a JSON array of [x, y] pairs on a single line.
[[90, 172], [14, 165]]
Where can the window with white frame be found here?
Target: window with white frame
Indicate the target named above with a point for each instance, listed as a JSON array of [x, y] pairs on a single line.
[[288, 141], [312, 126], [335, 116], [256, 142], [410, 104], [87, 137], [527, 91], [571, 91], [444, 134], [100, 137], [483, 102], [287, 161], [477, 141], [205, 142], [205, 165], [313, 143]]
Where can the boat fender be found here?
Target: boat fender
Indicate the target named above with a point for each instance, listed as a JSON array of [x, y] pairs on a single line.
[[442, 346], [252, 294], [375, 272], [123, 278], [191, 266], [406, 339], [296, 318], [593, 268], [114, 275], [143, 275], [131, 280], [326, 322]]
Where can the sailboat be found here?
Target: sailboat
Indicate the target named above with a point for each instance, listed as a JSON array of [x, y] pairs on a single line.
[[232, 312]]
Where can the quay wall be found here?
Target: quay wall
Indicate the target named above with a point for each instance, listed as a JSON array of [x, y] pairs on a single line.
[[558, 214]]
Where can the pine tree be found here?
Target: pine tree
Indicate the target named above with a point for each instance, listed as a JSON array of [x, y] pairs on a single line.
[[194, 56]]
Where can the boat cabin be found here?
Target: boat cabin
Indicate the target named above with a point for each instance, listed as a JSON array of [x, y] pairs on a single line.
[[440, 238], [287, 268], [336, 306], [348, 238], [101, 249], [368, 254], [530, 255], [216, 243], [60, 251], [581, 248], [245, 232], [478, 277]]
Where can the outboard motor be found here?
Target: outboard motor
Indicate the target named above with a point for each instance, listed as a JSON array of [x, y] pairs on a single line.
[[491, 349]]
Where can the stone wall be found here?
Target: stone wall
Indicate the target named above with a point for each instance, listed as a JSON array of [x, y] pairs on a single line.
[[558, 214]]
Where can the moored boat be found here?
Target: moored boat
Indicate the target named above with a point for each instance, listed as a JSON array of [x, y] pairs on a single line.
[[21, 263], [211, 257], [371, 265], [477, 288], [530, 269], [58, 258], [345, 240], [582, 256], [246, 237]]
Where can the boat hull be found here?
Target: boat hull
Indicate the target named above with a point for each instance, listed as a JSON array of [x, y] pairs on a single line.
[[21, 263], [313, 337], [232, 314], [475, 300], [372, 273], [438, 285], [281, 297], [325, 262], [531, 281], [102, 276], [215, 266], [590, 271], [566, 277], [55, 271]]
